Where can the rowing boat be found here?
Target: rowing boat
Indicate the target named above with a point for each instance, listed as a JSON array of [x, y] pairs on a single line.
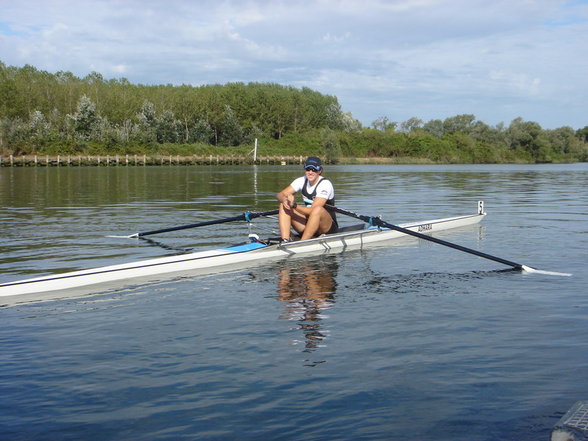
[[253, 251]]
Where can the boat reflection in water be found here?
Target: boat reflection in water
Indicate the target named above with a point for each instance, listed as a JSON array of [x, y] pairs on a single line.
[[308, 290]]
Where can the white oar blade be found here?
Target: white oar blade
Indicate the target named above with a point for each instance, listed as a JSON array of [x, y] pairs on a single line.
[[132, 236], [528, 269]]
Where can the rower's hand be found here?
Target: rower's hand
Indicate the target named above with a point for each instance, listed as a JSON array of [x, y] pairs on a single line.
[[288, 202]]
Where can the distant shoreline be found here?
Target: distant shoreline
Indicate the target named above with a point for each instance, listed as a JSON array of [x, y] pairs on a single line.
[[161, 160]]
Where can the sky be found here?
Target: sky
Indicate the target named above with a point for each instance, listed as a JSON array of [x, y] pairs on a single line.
[[398, 59]]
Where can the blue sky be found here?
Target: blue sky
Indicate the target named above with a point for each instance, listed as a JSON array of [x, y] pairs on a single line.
[[430, 59]]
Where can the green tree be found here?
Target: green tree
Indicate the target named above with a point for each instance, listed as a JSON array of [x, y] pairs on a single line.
[[583, 134], [331, 149], [411, 124], [231, 132], [147, 122], [168, 128], [85, 120], [8, 93], [200, 132], [384, 124], [40, 110], [564, 141], [434, 127], [39, 127], [349, 124], [459, 123]]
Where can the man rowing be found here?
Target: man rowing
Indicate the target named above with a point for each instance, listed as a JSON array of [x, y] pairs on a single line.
[[311, 219]]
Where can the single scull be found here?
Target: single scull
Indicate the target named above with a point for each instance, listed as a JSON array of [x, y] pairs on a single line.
[[209, 261]]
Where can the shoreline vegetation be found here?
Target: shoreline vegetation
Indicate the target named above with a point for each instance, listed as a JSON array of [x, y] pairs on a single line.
[[211, 160], [59, 119]]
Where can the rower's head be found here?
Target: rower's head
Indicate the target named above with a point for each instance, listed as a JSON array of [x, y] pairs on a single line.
[[313, 165]]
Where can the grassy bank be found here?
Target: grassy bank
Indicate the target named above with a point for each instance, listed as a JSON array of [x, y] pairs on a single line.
[[134, 160]]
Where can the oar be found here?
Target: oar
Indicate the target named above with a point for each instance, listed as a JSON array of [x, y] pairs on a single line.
[[247, 216], [380, 223]]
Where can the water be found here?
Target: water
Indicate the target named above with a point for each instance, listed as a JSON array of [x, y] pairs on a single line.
[[412, 342]]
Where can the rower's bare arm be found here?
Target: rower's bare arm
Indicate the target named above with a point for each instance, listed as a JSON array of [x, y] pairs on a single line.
[[286, 196], [319, 202]]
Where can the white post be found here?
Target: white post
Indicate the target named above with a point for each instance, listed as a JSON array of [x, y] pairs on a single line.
[[255, 152]]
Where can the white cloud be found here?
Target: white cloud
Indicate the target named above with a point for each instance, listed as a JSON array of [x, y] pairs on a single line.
[[518, 82], [395, 58]]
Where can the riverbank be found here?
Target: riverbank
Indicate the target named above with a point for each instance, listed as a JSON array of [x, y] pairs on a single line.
[[140, 160], [162, 160]]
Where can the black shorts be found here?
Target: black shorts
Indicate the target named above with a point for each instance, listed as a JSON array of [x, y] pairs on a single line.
[[334, 227]]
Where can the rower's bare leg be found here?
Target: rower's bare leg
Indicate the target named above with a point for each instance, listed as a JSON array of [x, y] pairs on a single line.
[[285, 222], [318, 222], [288, 218]]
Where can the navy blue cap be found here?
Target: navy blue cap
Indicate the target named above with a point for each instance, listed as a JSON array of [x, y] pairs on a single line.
[[313, 161]]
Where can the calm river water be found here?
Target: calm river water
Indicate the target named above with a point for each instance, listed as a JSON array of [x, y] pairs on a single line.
[[411, 342]]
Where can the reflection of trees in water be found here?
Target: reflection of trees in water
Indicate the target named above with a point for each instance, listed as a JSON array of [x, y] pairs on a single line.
[[308, 289]]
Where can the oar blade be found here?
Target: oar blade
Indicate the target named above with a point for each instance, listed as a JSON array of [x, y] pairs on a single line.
[[528, 269]]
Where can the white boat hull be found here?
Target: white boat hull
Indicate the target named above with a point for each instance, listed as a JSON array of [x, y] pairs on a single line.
[[203, 261]]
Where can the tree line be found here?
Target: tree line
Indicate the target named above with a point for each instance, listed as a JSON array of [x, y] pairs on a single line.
[[59, 113]]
